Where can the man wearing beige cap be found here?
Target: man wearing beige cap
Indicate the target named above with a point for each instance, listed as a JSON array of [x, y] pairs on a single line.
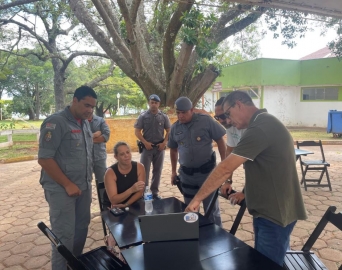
[[190, 140]]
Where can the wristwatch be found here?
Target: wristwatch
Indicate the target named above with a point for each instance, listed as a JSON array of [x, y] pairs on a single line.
[[229, 181]]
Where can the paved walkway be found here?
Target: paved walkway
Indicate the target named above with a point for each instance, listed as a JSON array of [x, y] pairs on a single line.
[[22, 246]]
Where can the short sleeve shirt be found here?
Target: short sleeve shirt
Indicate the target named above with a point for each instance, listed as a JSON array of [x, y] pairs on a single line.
[[234, 136], [272, 187], [99, 124], [153, 125], [70, 144], [194, 140]]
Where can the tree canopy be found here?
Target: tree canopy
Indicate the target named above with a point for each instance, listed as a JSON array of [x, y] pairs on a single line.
[[169, 47], [50, 26]]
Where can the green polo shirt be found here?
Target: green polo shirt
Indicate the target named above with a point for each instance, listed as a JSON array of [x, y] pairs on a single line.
[[272, 187]]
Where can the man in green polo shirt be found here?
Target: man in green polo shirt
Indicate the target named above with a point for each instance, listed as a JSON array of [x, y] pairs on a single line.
[[272, 189]]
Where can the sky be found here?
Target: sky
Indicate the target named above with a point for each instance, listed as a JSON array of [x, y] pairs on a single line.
[[272, 48]]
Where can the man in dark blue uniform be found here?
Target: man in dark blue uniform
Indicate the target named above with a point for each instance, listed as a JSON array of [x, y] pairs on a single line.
[[190, 140]]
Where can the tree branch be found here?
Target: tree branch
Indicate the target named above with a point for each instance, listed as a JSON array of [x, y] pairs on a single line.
[[239, 25], [116, 55], [106, 14], [41, 57], [227, 17], [16, 3], [130, 20], [26, 28], [134, 10], [179, 70], [95, 82], [200, 84], [75, 54], [170, 37]]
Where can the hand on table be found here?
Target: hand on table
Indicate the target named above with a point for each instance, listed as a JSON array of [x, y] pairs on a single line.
[[120, 205], [193, 206]]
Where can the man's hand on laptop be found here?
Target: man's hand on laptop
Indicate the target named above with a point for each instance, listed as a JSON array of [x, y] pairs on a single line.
[[193, 206]]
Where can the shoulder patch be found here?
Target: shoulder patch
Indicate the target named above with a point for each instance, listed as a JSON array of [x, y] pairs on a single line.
[[48, 136], [50, 126]]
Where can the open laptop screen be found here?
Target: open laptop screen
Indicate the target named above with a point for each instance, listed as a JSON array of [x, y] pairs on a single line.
[[168, 227]]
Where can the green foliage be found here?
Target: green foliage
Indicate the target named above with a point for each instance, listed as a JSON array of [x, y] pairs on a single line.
[[131, 96], [336, 45], [288, 24], [196, 30], [6, 125], [30, 84]]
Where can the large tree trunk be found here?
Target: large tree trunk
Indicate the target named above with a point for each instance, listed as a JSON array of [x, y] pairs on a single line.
[[58, 82], [99, 109], [37, 103], [31, 113]]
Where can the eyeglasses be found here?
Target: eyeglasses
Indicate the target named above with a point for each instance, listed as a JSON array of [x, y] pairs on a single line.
[[221, 116], [227, 112]]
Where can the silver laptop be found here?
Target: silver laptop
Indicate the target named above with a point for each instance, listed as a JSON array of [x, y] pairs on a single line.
[[168, 227]]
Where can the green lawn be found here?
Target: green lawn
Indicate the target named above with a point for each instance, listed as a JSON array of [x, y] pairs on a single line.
[[20, 124], [20, 138]]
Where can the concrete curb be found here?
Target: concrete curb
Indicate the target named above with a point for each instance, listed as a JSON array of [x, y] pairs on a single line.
[[19, 159]]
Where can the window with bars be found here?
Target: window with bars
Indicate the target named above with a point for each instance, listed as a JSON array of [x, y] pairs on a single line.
[[320, 93]]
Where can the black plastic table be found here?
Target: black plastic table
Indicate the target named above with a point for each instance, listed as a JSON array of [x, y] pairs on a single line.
[[126, 228], [216, 249]]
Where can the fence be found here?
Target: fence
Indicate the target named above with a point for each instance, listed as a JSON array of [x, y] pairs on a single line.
[[10, 133]]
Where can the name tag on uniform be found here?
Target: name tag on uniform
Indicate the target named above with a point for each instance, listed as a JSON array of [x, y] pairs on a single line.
[[76, 131]]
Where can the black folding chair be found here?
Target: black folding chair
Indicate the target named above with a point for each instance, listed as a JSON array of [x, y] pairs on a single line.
[[307, 165], [238, 217], [306, 259], [100, 188], [96, 259]]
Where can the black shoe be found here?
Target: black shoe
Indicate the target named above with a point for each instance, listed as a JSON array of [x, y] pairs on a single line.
[[156, 197]]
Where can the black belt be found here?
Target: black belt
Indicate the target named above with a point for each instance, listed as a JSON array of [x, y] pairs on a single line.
[[204, 169], [156, 144]]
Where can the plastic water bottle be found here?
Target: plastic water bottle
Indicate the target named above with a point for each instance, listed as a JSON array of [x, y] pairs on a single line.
[[148, 200]]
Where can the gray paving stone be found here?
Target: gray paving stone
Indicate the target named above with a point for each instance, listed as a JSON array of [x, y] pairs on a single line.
[[23, 205]]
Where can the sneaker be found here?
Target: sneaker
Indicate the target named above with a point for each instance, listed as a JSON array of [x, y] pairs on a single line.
[[156, 197]]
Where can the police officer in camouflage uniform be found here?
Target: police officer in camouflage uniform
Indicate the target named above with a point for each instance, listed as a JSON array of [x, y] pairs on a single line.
[[149, 129], [65, 155], [191, 139], [101, 134]]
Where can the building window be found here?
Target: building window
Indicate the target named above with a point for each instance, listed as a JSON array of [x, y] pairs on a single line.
[[252, 92], [320, 93]]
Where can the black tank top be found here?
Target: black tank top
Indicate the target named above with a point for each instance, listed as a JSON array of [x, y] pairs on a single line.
[[123, 181]]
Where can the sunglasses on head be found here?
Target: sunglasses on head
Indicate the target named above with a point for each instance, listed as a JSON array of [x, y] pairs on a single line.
[[221, 116]]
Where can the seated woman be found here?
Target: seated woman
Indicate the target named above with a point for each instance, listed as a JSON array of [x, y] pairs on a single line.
[[125, 180]]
